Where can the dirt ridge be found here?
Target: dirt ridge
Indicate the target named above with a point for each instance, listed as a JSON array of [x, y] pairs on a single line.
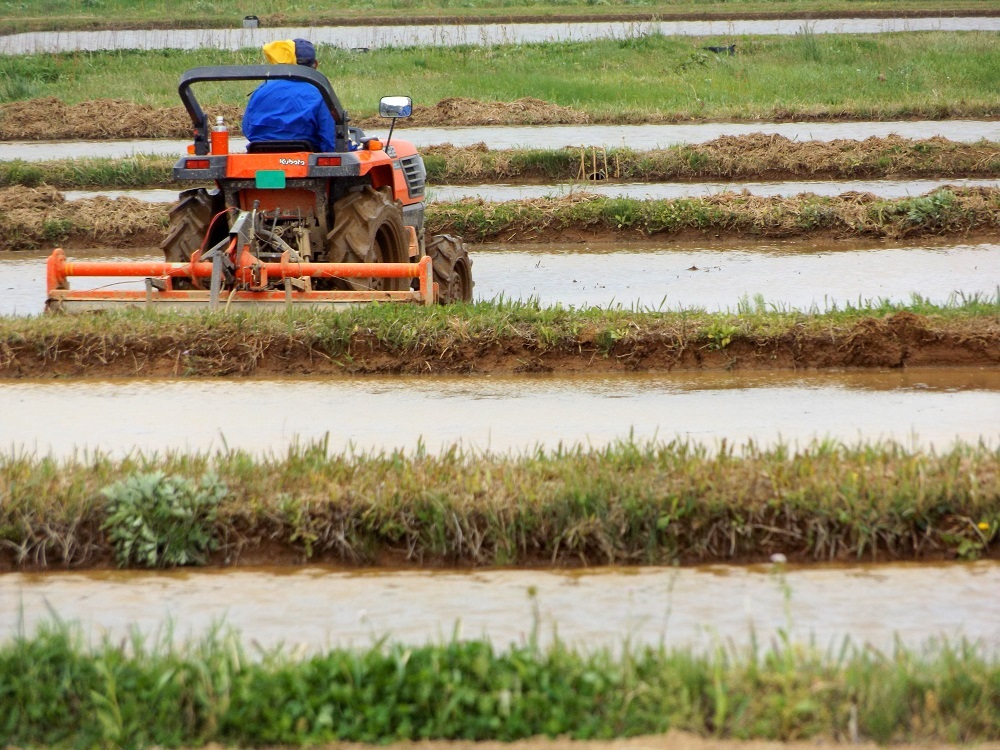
[[32, 218], [900, 340], [756, 156], [49, 118]]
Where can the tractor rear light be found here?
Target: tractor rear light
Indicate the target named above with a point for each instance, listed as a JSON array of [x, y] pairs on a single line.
[[328, 161], [196, 164], [374, 145]]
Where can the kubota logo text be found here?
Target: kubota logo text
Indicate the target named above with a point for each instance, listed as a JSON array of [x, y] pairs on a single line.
[[297, 162]]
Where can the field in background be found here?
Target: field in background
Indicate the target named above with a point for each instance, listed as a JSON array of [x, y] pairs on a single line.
[[103, 14], [648, 78]]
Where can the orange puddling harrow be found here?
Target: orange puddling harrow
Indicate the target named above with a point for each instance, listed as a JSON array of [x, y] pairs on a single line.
[[235, 278]]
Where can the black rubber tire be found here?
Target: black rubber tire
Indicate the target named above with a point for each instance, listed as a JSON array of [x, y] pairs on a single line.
[[452, 269], [189, 221], [368, 228]]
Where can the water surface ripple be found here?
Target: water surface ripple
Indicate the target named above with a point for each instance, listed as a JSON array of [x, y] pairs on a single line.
[[636, 190], [916, 407], [802, 275], [683, 608]]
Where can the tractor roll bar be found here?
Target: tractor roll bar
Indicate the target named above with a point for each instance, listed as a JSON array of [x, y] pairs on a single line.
[[258, 73]]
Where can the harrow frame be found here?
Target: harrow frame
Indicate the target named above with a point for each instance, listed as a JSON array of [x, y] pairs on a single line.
[[252, 277]]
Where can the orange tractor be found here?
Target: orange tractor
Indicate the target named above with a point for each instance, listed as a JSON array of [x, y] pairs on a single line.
[[286, 224]]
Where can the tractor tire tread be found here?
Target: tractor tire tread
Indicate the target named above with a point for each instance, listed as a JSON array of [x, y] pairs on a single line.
[[358, 220], [189, 220], [452, 268]]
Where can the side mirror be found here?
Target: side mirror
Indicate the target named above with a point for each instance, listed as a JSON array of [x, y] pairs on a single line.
[[395, 106]]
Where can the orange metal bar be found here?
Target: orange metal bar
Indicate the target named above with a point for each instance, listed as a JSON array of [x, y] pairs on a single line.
[[273, 295], [58, 271]]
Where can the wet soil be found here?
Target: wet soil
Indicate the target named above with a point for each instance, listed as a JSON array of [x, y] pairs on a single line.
[[899, 340]]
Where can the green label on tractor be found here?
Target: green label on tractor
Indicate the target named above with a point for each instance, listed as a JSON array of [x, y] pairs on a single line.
[[270, 179]]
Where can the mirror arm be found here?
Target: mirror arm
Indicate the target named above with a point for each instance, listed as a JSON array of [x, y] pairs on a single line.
[[389, 137]]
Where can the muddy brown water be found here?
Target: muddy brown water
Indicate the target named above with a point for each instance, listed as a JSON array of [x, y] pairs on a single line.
[[800, 275], [640, 137], [376, 37], [637, 190], [697, 608], [917, 407]]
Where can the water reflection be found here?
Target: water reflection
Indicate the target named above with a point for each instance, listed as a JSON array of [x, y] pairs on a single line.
[[916, 407], [637, 190], [798, 276], [691, 608]]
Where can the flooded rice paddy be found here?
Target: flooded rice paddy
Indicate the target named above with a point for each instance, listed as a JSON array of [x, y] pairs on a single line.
[[637, 190], [800, 275], [671, 190], [640, 137], [377, 37], [915, 407], [695, 608]]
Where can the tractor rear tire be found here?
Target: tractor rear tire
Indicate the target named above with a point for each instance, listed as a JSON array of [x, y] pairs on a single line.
[[452, 269], [368, 228], [190, 218]]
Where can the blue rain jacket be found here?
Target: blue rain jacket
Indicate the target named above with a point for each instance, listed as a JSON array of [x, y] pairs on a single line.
[[288, 111]]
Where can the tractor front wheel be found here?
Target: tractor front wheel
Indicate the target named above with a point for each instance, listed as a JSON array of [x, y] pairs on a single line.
[[368, 228], [452, 268]]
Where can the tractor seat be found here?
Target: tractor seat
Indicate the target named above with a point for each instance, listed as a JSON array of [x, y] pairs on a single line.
[[280, 147]]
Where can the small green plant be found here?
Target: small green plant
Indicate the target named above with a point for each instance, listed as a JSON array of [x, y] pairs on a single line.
[[932, 209], [808, 43], [607, 338], [698, 160], [56, 229], [720, 335], [695, 58], [161, 521], [17, 88]]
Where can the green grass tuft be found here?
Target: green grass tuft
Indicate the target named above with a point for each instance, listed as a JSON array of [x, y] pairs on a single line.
[[650, 503], [214, 691]]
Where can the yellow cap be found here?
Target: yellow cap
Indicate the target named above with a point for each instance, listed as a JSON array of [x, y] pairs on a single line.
[[280, 53]]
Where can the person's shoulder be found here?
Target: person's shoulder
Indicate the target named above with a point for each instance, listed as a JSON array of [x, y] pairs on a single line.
[[309, 90], [309, 94]]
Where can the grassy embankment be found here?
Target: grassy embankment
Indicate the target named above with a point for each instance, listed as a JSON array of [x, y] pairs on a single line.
[[629, 503], [214, 690], [753, 157], [641, 79], [33, 218], [111, 14], [498, 337]]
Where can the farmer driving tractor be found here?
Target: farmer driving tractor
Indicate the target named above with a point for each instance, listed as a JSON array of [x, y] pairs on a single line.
[[282, 110]]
